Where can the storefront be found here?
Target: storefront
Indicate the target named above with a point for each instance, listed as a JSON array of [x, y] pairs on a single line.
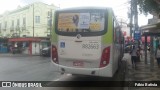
[[152, 31], [3, 45], [29, 46]]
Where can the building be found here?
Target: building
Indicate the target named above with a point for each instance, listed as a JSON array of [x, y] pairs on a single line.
[[125, 29], [124, 26], [26, 26], [30, 21], [153, 31]]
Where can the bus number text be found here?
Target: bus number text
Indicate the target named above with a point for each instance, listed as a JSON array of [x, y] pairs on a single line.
[[90, 46]]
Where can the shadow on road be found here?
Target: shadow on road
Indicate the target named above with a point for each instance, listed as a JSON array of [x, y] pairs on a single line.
[[70, 82]]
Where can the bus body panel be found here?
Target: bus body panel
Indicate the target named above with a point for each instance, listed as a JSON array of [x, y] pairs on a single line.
[[86, 50], [116, 53], [105, 71]]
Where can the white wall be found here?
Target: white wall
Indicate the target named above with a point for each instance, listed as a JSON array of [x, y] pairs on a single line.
[[40, 29]]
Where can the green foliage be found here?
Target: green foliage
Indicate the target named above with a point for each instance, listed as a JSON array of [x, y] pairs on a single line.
[[147, 6]]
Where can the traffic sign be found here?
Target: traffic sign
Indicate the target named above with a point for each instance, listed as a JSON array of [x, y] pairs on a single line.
[[137, 35]]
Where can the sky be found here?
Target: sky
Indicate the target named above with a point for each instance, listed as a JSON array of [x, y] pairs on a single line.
[[120, 7]]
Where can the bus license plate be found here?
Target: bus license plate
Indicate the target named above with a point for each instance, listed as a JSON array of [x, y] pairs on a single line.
[[78, 63]]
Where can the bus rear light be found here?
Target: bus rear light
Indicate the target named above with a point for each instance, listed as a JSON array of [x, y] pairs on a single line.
[[105, 57], [54, 49], [106, 51], [54, 54]]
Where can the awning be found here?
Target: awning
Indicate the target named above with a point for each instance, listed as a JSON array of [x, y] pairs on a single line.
[[151, 29], [24, 39]]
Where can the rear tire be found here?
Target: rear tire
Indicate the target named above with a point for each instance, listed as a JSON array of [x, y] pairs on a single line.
[[119, 65]]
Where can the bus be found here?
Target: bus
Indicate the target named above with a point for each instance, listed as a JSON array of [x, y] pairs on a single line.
[[86, 41]]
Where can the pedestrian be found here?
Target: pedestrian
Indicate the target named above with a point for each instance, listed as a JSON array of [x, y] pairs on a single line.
[[139, 54], [158, 56], [134, 54]]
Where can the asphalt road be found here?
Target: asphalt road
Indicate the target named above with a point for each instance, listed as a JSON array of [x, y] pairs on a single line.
[[36, 68], [26, 68]]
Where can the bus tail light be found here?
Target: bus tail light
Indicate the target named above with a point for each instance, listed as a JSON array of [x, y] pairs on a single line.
[[105, 57], [54, 54]]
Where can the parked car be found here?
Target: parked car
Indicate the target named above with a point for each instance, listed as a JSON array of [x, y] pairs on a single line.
[[46, 51]]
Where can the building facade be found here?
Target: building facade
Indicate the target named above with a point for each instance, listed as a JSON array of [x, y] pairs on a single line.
[[33, 20], [124, 27]]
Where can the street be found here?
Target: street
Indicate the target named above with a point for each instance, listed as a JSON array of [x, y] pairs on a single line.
[[36, 68], [26, 68]]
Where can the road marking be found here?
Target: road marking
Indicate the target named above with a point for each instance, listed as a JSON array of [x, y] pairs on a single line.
[[69, 74], [63, 76], [56, 79]]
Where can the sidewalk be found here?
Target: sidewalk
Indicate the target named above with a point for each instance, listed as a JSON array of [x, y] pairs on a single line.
[[142, 73], [15, 55]]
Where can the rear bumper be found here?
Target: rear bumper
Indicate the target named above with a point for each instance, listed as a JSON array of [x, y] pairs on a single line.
[[104, 72]]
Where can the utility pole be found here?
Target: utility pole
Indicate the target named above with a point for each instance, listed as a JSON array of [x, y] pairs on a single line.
[[121, 23], [151, 54], [135, 15], [135, 18], [131, 17], [50, 23], [33, 19], [145, 49]]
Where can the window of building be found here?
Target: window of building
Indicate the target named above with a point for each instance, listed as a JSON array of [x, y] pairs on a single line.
[[37, 19], [17, 22], [5, 24], [49, 18], [48, 13], [12, 23], [49, 22], [0, 27], [24, 21]]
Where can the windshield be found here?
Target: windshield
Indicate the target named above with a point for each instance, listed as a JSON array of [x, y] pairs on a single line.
[[73, 23]]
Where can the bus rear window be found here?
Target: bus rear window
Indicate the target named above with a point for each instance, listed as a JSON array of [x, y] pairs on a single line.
[[80, 22]]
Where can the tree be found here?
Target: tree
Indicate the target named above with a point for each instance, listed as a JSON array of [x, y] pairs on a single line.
[[148, 6]]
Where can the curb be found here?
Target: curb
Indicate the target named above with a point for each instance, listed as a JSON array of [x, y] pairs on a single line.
[[16, 55], [126, 72]]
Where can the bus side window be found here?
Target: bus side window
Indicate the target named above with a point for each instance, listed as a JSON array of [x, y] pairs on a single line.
[[117, 35], [120, 36], [114, 28], [117, 32]]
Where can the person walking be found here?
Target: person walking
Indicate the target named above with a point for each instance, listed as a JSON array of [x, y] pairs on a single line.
[[134, 54], [139, 53], [158, 56]]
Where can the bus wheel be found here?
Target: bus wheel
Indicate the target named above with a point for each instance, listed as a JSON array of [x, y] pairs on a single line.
[[119, 63]]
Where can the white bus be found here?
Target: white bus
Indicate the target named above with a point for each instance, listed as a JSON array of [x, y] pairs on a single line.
[[86, 41]]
